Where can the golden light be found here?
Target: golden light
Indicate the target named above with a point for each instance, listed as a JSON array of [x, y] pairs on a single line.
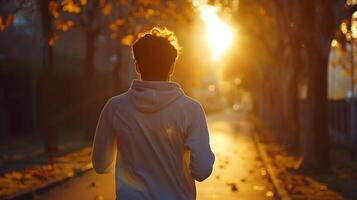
[[219, 34], [212, 88]]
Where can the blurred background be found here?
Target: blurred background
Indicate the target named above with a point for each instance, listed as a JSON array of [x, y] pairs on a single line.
[[287, 66]]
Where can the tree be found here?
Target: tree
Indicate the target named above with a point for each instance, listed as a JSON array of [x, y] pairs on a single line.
[[46, 82], [316, 25], [303, 34], [268, 39], [8, 12]]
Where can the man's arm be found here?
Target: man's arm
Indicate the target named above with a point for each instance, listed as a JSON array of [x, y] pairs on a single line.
[[201, 156], [104, 146]]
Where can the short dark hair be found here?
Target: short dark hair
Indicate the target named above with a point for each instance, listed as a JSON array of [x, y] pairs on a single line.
[[155, 52]]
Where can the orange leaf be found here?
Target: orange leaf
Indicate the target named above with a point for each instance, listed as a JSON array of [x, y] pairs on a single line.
[[98, 197], [346, 72], [52, 40], [113, 27], [70, 23], [58, 25], [127, 40], [83, 2], [65, 28], [2, 25], [10, 19], [2, 28], [149, 13], [119, 22], [107, 9], [53, 8], [71, 7]]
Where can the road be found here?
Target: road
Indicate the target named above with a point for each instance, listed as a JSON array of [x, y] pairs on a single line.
[[238, 172]]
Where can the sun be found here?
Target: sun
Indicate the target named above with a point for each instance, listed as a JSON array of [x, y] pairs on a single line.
[[219, 34]]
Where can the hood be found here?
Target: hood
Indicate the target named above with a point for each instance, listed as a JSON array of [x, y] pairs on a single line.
[[152, 96]]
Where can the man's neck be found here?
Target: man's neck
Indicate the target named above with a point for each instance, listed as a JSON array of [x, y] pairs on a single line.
[[155, 79]]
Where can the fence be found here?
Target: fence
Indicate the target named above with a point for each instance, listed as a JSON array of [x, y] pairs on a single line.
[[340, 121]]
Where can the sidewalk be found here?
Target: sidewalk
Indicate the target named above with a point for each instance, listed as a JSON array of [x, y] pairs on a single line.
[[239, 172], [24, 166], [338, 183], [22, 184]]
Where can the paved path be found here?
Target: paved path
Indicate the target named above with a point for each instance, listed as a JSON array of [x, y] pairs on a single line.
[[238, 171]]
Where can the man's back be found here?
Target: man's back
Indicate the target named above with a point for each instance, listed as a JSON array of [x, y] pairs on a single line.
[[162, 141]]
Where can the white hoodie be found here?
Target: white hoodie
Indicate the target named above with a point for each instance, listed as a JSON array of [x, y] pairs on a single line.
[[160, 139]]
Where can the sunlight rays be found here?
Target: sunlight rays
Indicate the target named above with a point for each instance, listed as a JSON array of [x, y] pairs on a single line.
[[219, 34]]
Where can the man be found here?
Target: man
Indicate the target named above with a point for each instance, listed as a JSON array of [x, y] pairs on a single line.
[[157, 134]]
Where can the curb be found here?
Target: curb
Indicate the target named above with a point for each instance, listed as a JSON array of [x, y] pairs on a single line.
[[277, 184], [32, 193]]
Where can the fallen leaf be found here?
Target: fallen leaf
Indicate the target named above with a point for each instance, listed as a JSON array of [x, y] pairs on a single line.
[[93, 184], [323, 187], [269, 194], [258, 187], [98, 197], [233, 186], [263, 172]]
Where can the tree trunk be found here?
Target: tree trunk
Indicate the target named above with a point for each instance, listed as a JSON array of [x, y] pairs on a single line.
[[269, 88], [46, 83], [292, 110], [278, 101], [316, 138], [90, 98], [290, 98]]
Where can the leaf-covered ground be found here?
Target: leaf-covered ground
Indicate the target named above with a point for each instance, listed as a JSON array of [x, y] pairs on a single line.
[[37, 176], [337, 182]]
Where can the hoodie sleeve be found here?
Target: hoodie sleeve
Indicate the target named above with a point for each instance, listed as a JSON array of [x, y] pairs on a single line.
[[201, 156], [104, 146]]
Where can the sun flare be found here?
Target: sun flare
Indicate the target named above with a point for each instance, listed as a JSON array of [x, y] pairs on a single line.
[[219, 34]]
